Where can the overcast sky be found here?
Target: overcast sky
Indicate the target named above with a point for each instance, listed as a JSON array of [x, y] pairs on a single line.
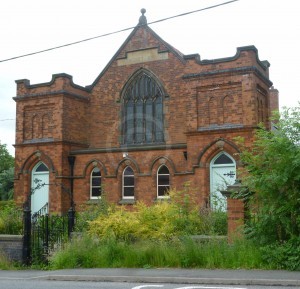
[[33, 25]]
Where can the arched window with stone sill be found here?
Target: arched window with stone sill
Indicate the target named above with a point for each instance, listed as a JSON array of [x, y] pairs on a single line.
[[95, 183], [128, 183], [163, 182]]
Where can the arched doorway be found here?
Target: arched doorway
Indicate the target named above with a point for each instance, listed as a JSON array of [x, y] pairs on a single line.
[[39, 187], [222, 174]]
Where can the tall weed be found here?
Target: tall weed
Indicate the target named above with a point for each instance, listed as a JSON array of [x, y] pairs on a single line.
[[5, 263], [88, 252], [11, 218]]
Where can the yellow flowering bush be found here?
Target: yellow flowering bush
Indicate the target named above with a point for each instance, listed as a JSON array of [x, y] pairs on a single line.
[[155, 222], [118, 223], [165, 219]]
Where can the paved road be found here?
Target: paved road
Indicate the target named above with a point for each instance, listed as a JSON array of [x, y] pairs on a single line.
[[234, 278], [48, 284]]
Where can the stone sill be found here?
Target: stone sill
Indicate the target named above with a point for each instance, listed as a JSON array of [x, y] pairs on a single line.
[[127, 202]]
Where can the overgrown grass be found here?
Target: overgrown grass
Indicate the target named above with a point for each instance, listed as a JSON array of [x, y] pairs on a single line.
[[88, 252], [5, 263], [152, 237], [11, 218], [11, 224]]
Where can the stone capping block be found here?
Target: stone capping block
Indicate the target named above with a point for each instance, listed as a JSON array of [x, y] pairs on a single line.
[[12, 246]]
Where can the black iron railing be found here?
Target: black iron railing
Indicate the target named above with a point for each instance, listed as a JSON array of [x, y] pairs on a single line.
[[45, 233]]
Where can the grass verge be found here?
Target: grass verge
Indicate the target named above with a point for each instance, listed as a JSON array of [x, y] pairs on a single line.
[[87, 252]]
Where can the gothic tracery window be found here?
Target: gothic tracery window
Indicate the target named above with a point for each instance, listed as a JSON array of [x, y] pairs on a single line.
[[143, 111]]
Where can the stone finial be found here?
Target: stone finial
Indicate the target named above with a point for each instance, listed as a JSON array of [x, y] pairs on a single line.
[[143, 19]]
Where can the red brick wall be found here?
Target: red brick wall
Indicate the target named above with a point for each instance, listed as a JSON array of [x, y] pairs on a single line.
[[204, 102], [274, 99]]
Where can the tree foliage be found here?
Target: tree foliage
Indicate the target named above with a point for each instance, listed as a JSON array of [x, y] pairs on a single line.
[[6, 160], [6, 173], [272, 172]]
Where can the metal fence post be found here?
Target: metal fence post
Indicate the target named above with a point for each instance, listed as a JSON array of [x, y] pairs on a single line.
[[46, 236], [71, 221], [27, 236]]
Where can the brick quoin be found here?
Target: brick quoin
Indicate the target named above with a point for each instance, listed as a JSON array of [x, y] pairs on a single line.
[[204, 101]]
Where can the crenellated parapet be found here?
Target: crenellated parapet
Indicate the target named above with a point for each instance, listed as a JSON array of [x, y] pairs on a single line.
[[60, 83]]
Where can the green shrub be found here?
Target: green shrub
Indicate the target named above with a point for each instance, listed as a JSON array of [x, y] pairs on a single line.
[[218, 221], [119, 224], [283, 255], [11, 218], [165, 219], [271, 174]]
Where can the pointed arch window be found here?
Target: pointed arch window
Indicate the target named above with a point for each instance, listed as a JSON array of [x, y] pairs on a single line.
[[142, 111], [41, 167], [95, 184], [163, 182], [223, 159], [128, 184]]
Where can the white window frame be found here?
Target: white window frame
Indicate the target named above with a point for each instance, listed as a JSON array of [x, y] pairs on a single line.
[[91, 184], [157, 184], [123, 185]]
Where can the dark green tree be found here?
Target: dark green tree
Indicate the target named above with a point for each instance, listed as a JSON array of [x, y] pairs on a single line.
[[272, 173], [6, 160], [6, 173]]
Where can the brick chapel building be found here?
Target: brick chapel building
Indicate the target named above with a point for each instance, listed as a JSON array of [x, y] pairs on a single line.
[[152, 120]]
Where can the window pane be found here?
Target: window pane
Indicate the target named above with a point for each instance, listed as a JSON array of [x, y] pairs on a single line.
[[129, 122], [139, 122], [128, 171], [128, 191], [163, 191], [96, 172], [42, 168], [149, 121], [128, 181], [96, 192], [96, 182], [163, 170], [158, 119], [223, 159], [163, 180]]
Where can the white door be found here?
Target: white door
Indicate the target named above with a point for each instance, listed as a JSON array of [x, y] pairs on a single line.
[[39, 188], [222, 174]]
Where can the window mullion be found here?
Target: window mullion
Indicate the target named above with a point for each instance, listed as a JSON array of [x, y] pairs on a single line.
[[144, 119], [134, 121], [124, 121], [153, 117]]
